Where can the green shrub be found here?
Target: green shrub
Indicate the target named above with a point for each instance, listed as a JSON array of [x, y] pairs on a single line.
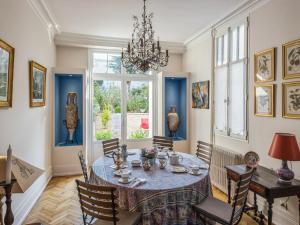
[[105, 116], [118, 109], [139, 134], [103, 135]]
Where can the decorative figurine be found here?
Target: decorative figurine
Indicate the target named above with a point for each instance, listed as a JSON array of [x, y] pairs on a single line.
[[71, 110], [117, 157], [146, 165], [162, 163], [173, 121]]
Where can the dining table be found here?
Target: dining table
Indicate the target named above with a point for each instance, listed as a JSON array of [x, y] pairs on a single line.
[[166, 198]]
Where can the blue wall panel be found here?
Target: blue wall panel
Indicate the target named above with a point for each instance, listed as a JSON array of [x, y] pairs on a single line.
[[64, 84], [175, 95]]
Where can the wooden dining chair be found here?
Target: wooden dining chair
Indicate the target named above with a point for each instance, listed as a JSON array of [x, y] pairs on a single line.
[[110, 145], [204, 152], [99, 206], [83, 166], [163, 142], [224, 213]]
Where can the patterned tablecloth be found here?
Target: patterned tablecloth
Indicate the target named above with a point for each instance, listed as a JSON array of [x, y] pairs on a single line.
[[166, 197]]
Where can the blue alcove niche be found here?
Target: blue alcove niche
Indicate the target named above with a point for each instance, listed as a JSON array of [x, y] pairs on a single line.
[[175, 95], [65, 83]]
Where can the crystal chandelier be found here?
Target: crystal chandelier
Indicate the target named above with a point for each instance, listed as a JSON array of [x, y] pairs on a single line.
[[143, 53]]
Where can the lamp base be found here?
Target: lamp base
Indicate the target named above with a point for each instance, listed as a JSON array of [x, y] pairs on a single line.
[[284, 174]]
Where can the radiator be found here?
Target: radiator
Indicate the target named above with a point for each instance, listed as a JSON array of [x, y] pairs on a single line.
[[221, 158]]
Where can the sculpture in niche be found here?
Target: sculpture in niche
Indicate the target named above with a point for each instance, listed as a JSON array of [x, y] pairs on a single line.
[[71, 110], [173, 121]]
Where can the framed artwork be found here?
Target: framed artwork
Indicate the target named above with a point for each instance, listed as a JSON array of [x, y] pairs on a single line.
[[200, 95], [291, 59], [6, 74], [264, 65], [264, 103], [37, 79], [291, 100]]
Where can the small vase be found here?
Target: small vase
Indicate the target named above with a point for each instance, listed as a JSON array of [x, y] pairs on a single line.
[[71, 110], [173, 121]]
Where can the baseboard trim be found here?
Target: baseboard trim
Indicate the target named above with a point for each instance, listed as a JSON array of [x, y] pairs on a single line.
[[68, 170], [28, 203]]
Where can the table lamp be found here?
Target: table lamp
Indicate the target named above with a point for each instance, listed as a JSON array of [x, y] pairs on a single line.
[[285, 147]]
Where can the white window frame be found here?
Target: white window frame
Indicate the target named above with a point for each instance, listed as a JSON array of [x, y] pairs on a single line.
[[122, 77], [218, 33]]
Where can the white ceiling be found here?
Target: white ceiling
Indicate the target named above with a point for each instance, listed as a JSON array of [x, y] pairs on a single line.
[[174, 20]]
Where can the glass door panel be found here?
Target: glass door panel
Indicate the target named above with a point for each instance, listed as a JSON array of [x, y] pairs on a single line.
[[139, 109], [107, 109]]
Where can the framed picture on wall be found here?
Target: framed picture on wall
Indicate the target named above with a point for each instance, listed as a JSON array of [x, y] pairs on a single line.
[[37, 79], [200, 95], [264, 65], [6, 74], [291, 59], [264, 104], [291, 100]]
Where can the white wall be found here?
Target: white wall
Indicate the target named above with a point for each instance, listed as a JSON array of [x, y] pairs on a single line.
[[197, 61], [271, 25], [71, 57], [28, 130]]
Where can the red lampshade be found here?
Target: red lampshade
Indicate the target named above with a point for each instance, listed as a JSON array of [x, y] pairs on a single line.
[[285, 147]]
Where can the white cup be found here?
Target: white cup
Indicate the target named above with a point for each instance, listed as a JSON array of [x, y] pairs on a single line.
[[125, 175]]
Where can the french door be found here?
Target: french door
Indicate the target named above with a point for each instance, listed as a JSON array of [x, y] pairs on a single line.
[[123, 107]]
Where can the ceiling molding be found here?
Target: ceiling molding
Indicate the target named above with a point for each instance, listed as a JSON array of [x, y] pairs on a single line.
[[46, 16], [243, 8], [91, 41]]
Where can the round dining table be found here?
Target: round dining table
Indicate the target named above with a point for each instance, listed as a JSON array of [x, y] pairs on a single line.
[[166, 198]]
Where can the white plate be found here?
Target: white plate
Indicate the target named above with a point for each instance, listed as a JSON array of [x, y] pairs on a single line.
[[122, 167], [125, 182], [119, 172], [178, 169], [195, 174]]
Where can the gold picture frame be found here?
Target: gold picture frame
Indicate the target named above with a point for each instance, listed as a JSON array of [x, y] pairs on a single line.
[[291, 60], [291, 103], [37, 81], [7, 54], [264, 100], [264, 65]]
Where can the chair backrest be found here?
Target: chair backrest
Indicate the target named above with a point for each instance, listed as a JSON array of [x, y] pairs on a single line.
[[240, 196], [83, 166], [163, 142], [110, 145], [98, 201], [204, 152]]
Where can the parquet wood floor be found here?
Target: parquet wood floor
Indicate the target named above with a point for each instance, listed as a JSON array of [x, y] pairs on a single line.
[[59, 204]]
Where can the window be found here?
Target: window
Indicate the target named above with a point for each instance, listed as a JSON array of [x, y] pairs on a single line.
[[231, 82], [122, 100]]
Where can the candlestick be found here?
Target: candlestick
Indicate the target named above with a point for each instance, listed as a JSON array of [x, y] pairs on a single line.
[[167, 53], [9, 216], [8, 165]]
